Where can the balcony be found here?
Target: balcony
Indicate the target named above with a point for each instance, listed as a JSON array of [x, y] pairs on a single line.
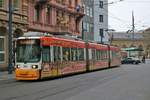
[[78, 10], [55, 29], [41, 1]]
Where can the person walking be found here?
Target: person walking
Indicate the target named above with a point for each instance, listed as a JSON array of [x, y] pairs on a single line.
[[143, 59]]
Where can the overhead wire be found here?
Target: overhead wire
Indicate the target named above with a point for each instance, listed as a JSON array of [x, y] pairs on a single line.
[[125, 22], [138, 22]]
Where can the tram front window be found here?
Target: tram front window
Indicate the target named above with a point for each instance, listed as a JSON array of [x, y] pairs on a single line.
[[28, 51]]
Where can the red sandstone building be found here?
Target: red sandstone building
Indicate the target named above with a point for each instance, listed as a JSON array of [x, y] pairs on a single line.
[[55, 16], [19, 26]]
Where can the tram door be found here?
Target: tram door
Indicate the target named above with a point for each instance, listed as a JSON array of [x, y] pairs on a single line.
[[51, 61], [46, 62], [56, 60]]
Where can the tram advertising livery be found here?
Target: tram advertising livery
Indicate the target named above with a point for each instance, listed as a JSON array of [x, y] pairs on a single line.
[[40, 56]]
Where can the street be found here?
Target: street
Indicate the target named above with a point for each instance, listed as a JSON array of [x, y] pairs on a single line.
[[127, 82]]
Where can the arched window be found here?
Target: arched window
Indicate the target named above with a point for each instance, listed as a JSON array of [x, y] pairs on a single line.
[[2, 43], [1, 3], [18, 33], [16, 3], [132, 45], [148, 47], [140, 50], [148, 50], [116, 45], [124, 46], [140, 47]]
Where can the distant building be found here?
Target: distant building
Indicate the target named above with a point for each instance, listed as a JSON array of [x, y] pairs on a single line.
[[101, 21], [56, 16], [88, 20], [95, 21], [19, 26], [126, 40], [146, 34]]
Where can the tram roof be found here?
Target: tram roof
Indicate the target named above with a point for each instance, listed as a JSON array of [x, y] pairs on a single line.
[[36, 34], [41, 34]]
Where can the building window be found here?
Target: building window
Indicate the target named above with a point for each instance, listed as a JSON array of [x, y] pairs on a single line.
[[84, 26], [1, 3], [101, 32], [101, 4], [16, 3], [2, 52], [91, 12], [84, 8], [87, 11], [48, 11], [59, 1], [91, 27], [37, 13], [70, 2], [100, 18], [88, 27]]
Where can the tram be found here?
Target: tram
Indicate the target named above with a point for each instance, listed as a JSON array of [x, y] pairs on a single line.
[[40, 56]]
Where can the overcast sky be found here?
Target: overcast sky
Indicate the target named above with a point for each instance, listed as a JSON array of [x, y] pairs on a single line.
[[120, 14]]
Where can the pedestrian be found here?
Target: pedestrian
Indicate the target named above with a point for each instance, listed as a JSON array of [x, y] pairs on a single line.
[[143, 59]]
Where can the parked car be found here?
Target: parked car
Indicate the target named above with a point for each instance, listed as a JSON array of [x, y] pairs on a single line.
[[131, 60]]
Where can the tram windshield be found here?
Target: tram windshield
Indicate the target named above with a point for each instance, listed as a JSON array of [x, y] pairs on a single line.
[[28, 51]]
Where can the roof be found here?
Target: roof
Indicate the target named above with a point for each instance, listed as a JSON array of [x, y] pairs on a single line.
[[124, 35]]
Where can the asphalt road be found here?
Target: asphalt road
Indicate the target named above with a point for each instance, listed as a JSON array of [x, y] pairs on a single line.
[[127, 82]]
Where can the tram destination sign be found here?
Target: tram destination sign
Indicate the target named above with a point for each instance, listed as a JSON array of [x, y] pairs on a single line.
[[27, 41]]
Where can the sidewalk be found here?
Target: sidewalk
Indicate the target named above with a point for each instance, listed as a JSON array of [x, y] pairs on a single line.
[[5, 76]]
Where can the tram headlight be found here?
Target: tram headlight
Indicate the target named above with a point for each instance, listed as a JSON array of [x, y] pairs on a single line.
[[17, 66], [34, 66]]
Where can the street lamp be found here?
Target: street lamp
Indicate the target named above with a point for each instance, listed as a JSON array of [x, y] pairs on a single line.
[[10, 43]]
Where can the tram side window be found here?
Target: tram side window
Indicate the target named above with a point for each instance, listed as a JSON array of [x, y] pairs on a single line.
[[46, 54], [103, 55], [93, 54], [98, 54], [106, 56], [118, 55], [81, 54], [115, 54], [57, 53], [74, 56], [66, 54]]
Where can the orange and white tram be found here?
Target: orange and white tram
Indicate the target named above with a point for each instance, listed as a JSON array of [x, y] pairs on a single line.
[[115, 56], [39, 56], [98, 56]]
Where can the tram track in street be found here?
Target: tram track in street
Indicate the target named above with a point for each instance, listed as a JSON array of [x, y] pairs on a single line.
[[68, 87]]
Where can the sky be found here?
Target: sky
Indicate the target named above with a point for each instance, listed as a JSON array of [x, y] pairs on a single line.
[[120, 14]]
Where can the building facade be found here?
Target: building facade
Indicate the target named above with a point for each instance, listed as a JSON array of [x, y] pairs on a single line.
[[19, 26], [101, 21], [146, 34], [126, 40], [88, 20], [95, 21], [55, 16]]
